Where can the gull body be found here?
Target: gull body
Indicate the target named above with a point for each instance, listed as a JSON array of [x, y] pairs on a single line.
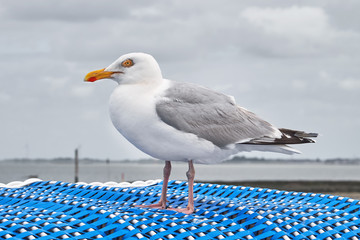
[[175, 121], [136, 119]]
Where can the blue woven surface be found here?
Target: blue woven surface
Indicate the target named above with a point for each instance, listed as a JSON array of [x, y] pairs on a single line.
[[58, 210]]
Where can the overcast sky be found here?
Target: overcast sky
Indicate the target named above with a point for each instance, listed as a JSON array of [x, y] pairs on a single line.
[[294, 63]]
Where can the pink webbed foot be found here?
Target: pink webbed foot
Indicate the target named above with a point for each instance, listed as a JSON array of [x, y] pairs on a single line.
[[187, 210], [159, 205]]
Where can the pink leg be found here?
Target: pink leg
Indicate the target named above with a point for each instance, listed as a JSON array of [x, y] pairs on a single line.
[[190, 176], [162, 203]]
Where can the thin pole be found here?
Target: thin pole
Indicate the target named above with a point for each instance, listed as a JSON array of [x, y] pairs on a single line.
[[76, 165]]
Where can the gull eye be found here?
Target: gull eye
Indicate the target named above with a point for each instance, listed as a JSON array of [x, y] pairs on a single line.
[[127, 63]]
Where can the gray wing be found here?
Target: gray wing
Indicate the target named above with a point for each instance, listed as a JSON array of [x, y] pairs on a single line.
[[210, 115]]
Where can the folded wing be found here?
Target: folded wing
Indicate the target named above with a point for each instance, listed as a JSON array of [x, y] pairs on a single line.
[[212, 116]]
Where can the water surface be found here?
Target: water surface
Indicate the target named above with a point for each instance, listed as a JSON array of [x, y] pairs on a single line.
[[118, 171]]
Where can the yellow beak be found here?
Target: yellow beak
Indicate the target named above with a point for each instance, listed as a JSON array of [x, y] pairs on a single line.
[[97, 75]]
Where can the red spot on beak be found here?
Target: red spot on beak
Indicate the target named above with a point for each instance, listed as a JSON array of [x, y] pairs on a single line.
[[92, 79]]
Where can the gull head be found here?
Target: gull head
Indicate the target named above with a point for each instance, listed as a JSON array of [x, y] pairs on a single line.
[[132, 68]]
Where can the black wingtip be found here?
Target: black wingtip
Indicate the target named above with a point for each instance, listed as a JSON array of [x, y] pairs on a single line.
[[295, 136], [288, 136]]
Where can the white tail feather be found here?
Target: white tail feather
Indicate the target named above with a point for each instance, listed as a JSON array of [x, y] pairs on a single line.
[[267, 148]]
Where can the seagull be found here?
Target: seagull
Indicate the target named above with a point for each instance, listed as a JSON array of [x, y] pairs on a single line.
[[178, 121]]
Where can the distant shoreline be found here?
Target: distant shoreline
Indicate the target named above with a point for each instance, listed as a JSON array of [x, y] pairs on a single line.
[[298, 186], [349, 189], [234, 160]]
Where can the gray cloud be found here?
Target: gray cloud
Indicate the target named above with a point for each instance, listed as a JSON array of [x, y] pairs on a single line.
[[68, 11], [295, 65]]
